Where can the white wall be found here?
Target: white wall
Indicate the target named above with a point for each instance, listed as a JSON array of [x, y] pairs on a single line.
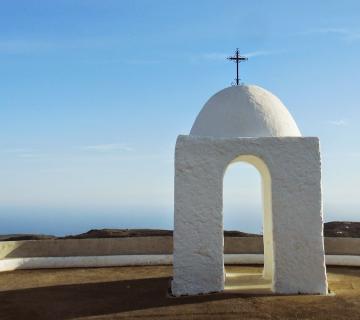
[[291, 173]]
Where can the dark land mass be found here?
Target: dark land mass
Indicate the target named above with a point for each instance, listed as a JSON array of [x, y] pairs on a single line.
[[345, 229]]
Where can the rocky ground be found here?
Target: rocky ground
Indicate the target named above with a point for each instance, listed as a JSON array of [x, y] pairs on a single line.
[[331, 229], [143, 293]]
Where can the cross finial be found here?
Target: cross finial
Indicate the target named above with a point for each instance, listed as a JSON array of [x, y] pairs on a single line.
[[237, 58]]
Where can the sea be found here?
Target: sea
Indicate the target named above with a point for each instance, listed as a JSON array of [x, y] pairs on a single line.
[[61, 221]]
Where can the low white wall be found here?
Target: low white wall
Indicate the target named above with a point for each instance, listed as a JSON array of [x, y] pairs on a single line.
[[84, 262], [142, 260], [107, 252]]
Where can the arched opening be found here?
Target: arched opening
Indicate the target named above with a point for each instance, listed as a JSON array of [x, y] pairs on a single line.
[[253, 195], [242, 202]]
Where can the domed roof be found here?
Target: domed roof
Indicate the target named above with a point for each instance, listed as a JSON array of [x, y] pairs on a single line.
[[244, 111]]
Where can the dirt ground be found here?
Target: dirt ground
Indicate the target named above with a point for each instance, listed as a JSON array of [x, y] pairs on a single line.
[[142, 292]]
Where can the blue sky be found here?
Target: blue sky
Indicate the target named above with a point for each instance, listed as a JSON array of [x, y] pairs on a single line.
[[94, 93]]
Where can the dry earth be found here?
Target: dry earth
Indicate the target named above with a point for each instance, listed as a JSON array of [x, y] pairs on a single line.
[[142, 292]]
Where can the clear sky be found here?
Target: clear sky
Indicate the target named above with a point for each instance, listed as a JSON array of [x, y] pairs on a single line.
[[94, 93]]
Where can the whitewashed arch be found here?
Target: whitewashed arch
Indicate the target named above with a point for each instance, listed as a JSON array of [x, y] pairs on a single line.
[[265, 175], [298, 261]]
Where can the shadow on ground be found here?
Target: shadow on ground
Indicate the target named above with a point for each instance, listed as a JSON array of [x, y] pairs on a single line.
[[142, 292], [91, 299]]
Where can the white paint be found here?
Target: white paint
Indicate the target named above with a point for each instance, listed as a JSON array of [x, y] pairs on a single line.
[[293, 239], [342, 260], [84, 262], [143, 260], [331, 259], [244, 111]]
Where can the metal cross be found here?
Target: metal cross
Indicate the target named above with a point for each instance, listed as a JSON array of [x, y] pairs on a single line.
[[237, 58]]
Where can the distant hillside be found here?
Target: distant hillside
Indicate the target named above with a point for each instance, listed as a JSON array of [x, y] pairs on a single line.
[[331, 229], [346, 229]]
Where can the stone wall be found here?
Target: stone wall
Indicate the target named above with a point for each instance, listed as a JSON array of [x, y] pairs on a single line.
[[146, 245]]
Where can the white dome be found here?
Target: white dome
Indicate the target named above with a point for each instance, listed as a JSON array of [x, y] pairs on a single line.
[[244, 111]]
